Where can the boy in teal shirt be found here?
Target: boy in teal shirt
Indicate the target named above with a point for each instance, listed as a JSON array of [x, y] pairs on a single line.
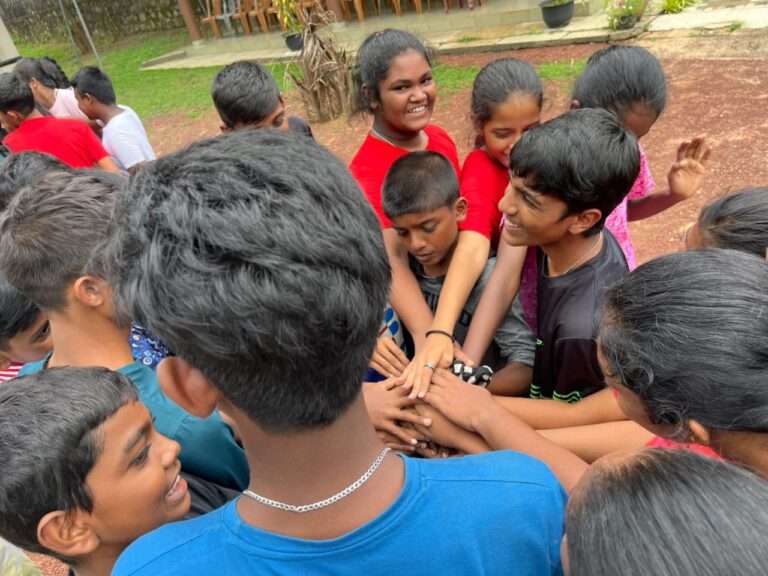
[[50, 243]]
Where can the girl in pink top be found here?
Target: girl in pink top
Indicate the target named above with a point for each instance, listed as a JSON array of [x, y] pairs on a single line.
[[50, 87]]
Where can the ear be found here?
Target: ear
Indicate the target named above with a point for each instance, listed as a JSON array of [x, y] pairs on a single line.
[[699, 433], [460, 209], [224, 128], [370, 97], [92, 291], [575, 104], [281, 100], [584, 221], [187, 386], [67, 534]]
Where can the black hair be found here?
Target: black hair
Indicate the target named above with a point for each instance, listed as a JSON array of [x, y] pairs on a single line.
[[419, 182], [617, 77], [500, 79], [374, 58], [667, 512], [255, 257], [738, 221], [584, 158], [15, 95], [17, 313], [22, 169], [244, 93], [686, 333], [49, 443], [51, 232], [93, 82], [45, 70]]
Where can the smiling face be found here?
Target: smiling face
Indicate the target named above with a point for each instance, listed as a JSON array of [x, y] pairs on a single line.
[[431, 236], [406, 95], [532, 218], [135, 482], [510, 119]]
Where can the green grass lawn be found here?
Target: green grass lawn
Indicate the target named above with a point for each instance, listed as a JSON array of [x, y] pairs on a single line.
[[157, 92]]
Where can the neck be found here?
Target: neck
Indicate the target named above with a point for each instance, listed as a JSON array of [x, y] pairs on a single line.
[[309, 466], [87, 338], [100, 563], [571, 252], [46, 96], [33, 114], [106, 113], [406, 140]]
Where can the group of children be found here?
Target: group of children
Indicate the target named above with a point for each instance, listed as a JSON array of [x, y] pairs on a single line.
[[237, 336]]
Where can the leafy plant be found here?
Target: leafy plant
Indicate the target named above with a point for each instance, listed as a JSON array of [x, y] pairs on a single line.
[[734, 26], [624, 14], [676, 6], [288, 15]]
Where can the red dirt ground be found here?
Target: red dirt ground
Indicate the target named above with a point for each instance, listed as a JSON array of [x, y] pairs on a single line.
[[723, 97]]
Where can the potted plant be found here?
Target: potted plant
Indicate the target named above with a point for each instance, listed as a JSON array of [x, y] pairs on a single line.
[[556, 13], [624, 14], [292, 25]]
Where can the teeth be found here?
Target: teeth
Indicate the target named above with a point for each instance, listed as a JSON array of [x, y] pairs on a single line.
[[175, 484], [418, 109]]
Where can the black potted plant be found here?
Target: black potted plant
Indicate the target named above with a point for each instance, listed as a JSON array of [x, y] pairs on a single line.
[[293, 27], [556, 13]]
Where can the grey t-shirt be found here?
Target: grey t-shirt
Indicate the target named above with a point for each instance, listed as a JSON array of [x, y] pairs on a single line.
[[513, 341]]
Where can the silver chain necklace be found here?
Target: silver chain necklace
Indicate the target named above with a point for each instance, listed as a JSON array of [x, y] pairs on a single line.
[[322, 503]]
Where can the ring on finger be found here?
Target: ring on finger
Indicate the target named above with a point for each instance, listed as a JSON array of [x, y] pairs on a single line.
[[429, 366]]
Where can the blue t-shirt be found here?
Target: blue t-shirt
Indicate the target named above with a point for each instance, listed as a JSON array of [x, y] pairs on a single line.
[[208, 447], [493, 514]]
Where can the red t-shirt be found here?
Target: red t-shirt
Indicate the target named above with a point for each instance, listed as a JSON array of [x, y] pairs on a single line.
[[374, 158], [483, 183], [71, 141]]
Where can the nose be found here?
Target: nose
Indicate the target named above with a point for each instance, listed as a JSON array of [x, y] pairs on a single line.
[[171, 451], [417, 243], [507, 203]]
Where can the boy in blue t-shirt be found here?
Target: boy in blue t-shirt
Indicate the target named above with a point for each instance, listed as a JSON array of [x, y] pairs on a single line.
[[266, 273], [50, 249]]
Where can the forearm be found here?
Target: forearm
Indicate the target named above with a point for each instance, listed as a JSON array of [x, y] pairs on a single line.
[[512, 380], [108, 165], [596, 440], [467, 264], [651, 205], [495, 301], [405, 295], [503, 431], [548, 414]]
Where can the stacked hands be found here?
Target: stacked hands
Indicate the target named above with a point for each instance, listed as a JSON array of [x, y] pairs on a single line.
[[445, 418]]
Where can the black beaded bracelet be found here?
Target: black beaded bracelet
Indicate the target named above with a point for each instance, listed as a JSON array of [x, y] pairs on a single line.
[[443, 332]]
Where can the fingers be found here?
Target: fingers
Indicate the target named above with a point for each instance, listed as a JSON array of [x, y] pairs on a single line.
[[382, 366], [395, 355], [394, 444], [461, 356], [408, 437], [412, 418]]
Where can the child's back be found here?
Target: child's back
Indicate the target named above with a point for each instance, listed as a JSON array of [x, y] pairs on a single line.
[[294, 378]]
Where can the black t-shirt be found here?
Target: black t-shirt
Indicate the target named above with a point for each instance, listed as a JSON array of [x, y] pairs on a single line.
[[566, 365]]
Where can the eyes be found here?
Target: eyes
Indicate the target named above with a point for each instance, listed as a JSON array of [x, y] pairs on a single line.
[[427, 228], [141, 457], [402, 86], [42, 333]]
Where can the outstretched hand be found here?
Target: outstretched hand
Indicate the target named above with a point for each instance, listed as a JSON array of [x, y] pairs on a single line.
[[388, 359], [687, 173], [388, 408], [437, 352]]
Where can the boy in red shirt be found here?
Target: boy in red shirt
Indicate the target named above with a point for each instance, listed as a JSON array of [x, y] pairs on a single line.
[[71, 141]]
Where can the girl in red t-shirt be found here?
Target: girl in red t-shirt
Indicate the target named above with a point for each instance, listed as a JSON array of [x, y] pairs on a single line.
[[395, 84]]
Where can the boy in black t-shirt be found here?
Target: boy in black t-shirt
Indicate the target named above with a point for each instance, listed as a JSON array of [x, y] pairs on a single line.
[[567, 176]]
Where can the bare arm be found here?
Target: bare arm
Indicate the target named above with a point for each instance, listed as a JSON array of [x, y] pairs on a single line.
[[467, 265], [405, 296], [497, 297], [596, 440], [512, 380], [108, 165], [548, 414], [473, 408]]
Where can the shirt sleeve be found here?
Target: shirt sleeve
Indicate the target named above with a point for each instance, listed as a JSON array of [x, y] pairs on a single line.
[[481, 213], [126, 149], [209, 450], [644, 184], [93, 147], [514, 337]]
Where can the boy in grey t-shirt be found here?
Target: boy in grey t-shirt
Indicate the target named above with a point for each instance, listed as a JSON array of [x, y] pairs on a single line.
[[421, 197]]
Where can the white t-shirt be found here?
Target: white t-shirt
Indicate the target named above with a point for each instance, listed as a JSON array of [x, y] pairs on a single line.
[[126, 140], [65, 105]]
